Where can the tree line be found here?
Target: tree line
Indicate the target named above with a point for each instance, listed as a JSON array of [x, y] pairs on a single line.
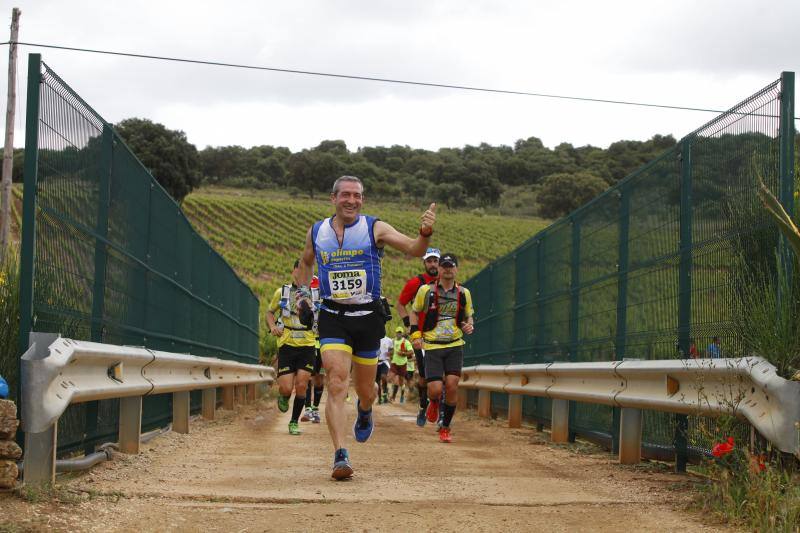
[[559, 179]]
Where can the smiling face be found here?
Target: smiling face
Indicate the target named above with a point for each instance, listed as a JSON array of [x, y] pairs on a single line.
[[348, 200]]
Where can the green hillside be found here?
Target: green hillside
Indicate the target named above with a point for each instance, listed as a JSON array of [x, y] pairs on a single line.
[[261, 235]]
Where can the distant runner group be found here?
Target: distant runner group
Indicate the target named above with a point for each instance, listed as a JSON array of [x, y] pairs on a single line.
[[333, 325]]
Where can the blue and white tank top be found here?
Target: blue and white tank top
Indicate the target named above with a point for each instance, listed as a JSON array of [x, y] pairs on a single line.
[[350, 274]]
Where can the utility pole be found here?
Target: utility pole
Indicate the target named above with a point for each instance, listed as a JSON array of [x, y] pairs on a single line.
[[8, 150]]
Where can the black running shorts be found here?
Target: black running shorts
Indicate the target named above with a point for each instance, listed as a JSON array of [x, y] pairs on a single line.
[[317, 363], [294, 358], [420, 363], [443, 362], [360, 336]]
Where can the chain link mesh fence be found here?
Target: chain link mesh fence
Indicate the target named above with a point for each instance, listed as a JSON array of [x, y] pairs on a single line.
[[108, 256], [645, 270]]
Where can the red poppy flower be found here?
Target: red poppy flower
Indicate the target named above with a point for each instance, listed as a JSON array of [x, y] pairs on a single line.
[[722, 448]]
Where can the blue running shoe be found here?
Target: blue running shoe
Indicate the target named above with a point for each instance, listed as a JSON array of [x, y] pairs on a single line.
[[421, 418], [362, 429], [342, 469]]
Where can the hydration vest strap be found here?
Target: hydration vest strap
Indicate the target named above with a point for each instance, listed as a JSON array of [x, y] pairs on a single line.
[[286, 292], [432, 306]]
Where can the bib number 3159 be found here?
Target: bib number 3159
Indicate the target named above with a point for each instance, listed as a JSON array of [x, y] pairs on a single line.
[[347, 283]]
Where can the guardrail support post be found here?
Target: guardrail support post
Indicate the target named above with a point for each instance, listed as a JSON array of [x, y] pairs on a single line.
[[514, 410], [130, 424], [40, 457], [630, 436], [209, 403], [227, 398], [251, 392], [240, 396], [180, 412], [461, 403], [559, 427], [484, 403]]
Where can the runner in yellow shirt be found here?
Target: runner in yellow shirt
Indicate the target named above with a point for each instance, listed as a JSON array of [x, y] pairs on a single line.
[[290, 317], [442, 314]]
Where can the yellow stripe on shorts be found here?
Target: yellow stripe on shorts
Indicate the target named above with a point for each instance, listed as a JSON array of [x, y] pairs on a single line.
[[341, 347]]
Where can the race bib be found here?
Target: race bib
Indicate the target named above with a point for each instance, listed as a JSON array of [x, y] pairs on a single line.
[[347, 283]]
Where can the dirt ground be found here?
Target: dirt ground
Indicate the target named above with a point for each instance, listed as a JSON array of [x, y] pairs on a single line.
[[244, 472]]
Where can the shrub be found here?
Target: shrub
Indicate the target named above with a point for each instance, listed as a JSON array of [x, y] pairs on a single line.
[[9, 316], [563, 193]]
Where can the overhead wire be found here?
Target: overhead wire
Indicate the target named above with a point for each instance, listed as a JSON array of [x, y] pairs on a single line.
[[366, 78]]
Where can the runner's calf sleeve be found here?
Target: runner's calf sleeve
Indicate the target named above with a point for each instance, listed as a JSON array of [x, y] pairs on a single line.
[[449, 411], [423, 396], [308, 397], [297, 407], [318, 394]]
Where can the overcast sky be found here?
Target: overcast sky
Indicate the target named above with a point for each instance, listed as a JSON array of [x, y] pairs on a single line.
[[695, 53]]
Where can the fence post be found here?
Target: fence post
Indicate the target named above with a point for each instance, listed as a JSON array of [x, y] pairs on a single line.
[[559, 425], [228, 402], [100, 261], [251, 393], [574, 309], [181, 406], [684, 289], [484, 403], [623, 265], [630, 436], [26, 264], [40, 448], [209, 407], [130, 424], [786, 164], [514, 410]]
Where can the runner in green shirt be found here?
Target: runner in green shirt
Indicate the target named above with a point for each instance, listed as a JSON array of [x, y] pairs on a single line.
[[400, 356]]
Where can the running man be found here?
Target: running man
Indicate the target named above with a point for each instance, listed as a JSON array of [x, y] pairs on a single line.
[[447, 309], [387, 345], [293, 327], [401, 351], [317, 375], [411, 367], [348, 248], [431, 265]]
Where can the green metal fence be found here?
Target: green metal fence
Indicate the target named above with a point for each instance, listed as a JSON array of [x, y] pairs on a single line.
[[644, 270], [108, 256]]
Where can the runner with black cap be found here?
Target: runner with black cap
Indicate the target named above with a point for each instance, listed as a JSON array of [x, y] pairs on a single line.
[[442, 315]]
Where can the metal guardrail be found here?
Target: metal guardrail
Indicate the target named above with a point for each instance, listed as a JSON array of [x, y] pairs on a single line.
[[745, 387], [57, 372]]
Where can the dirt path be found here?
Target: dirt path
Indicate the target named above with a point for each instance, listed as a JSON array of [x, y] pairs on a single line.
[[243, 472]]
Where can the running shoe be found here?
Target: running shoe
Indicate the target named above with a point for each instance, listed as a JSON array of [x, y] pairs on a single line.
[[342, 469], [294, 428], [421, 418], [444, 435], [385, 398], [433, 411], [306, 416], [315, 417], [283, 403], [362, 428], [402, 399]]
